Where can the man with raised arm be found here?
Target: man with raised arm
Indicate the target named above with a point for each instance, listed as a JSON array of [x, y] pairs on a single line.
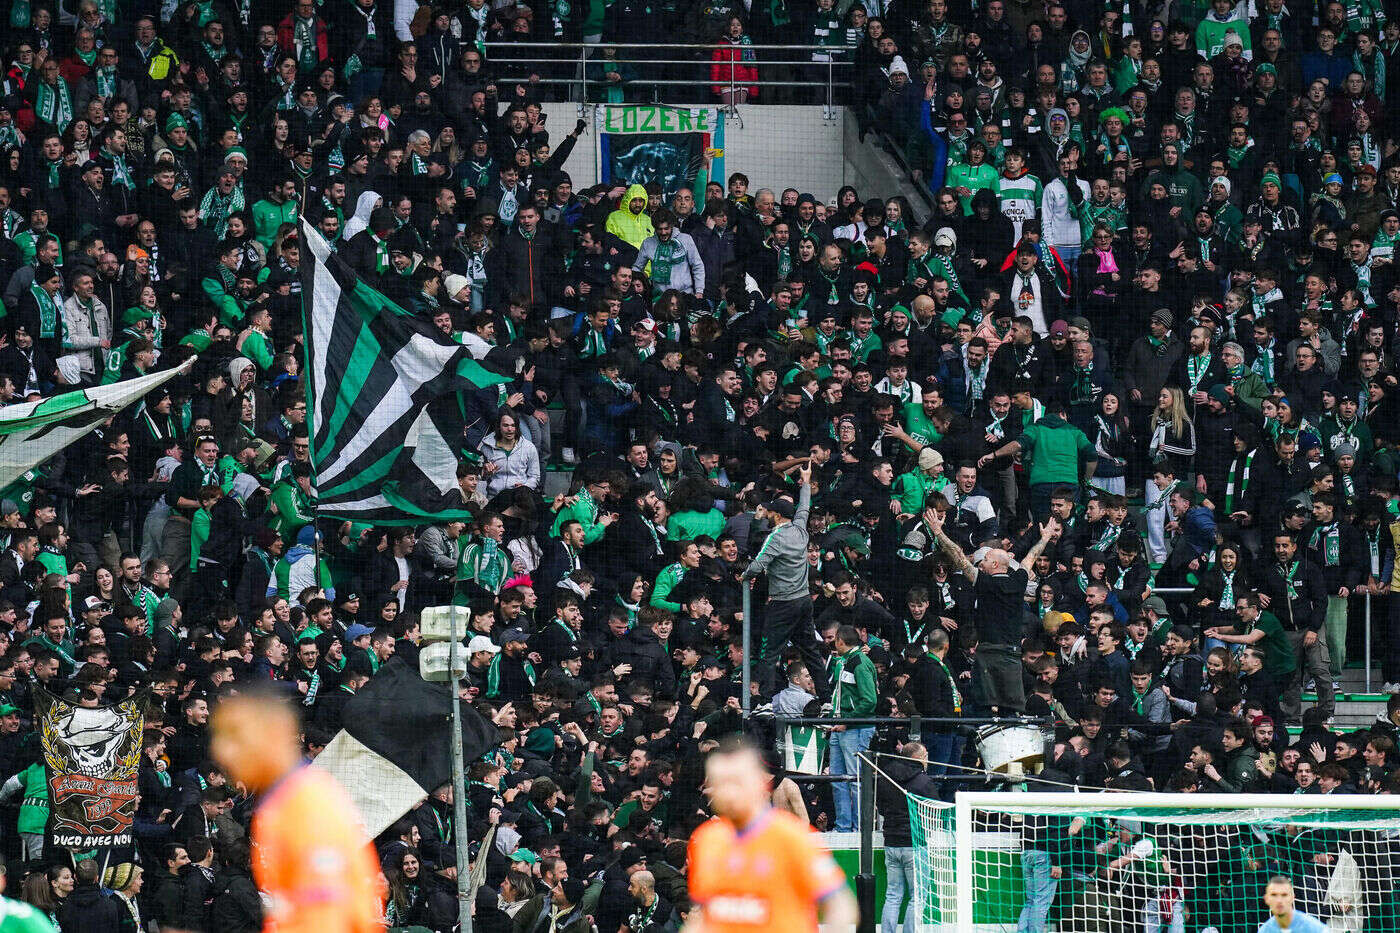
[[788, 613], [999, 588]]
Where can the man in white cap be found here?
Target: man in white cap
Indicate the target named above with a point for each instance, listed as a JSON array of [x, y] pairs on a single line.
[[480, 650]]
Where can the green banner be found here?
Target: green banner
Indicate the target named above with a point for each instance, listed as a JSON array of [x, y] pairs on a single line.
[[657, 119]]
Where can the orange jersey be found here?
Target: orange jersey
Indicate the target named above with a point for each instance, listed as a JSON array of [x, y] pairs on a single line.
[[769, 876], [314, 859]]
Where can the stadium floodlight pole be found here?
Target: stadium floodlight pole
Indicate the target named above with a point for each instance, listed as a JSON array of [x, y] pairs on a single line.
[[746, 701], [459, 787]]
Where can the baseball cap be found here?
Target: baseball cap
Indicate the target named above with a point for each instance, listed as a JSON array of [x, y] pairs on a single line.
[[9, 709], [782, 507], [93, 602], [357, 630], [514, 634], [1156, 603], [482, 643]]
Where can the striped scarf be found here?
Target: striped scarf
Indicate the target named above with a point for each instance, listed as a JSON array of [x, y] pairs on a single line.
[[216, 209], [1238, 480], [54, 105]]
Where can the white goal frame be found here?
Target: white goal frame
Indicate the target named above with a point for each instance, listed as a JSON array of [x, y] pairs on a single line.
[[966, 802]]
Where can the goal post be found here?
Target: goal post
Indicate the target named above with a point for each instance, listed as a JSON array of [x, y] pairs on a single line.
[[1102, 862]]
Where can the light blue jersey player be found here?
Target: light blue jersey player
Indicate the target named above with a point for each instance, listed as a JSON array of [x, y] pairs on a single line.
[[1283, 918]]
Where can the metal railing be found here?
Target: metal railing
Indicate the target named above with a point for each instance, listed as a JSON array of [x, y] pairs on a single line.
[[1183, 590], [801, 66]]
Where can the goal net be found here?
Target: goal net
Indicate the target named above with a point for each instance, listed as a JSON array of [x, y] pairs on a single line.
[[1151, 863]]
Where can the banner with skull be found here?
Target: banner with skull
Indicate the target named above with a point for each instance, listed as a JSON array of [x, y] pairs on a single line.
[[92, 754]]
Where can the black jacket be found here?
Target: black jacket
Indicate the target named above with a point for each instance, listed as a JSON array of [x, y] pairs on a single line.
[[651, 665], [87, 910], [892, 802], [237, 906], [525, 267], [196, 897], [1308, 608]]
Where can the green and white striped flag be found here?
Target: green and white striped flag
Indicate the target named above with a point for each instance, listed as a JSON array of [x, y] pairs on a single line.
[[804, 752], [32, 432], [382, 399]]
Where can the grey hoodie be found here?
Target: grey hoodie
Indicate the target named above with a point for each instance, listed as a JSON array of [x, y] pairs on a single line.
[[784, 555]]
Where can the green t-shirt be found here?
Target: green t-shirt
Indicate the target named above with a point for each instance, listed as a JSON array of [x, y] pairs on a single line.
[[918, 425], [1279, 658], [624, 813]]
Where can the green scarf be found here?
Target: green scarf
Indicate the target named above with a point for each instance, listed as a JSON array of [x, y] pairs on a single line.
[[304, 39], [1330, 537], [121, 174], [669, 254], [1083, 389], [48, 313], [953, 683], [54, 105], [1196, 369]]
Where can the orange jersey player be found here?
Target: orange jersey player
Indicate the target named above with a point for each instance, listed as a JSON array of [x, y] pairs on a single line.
[[754, 869], [312, 857]]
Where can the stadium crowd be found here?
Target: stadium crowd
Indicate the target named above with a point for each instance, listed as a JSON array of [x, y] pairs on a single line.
[[1145, 341]]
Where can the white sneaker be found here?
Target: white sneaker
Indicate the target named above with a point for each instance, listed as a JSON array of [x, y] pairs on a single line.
[[1336, 686], [1391, 688], [569, 457]]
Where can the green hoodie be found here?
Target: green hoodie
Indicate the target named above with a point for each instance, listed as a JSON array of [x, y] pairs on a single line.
[[1051, 449]]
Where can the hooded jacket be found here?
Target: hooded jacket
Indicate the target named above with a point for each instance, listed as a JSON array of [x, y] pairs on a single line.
[[629, 227], [892, 803]]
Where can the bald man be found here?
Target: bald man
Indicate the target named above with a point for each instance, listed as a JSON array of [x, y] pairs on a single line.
[[315, 861], [999, 587], [653, 913]]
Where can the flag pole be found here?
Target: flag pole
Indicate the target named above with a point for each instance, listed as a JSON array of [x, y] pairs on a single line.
[[459, 789]]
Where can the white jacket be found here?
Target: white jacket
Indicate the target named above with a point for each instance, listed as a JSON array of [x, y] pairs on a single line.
[[520, 465], [87, 328], [1058, 225]]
